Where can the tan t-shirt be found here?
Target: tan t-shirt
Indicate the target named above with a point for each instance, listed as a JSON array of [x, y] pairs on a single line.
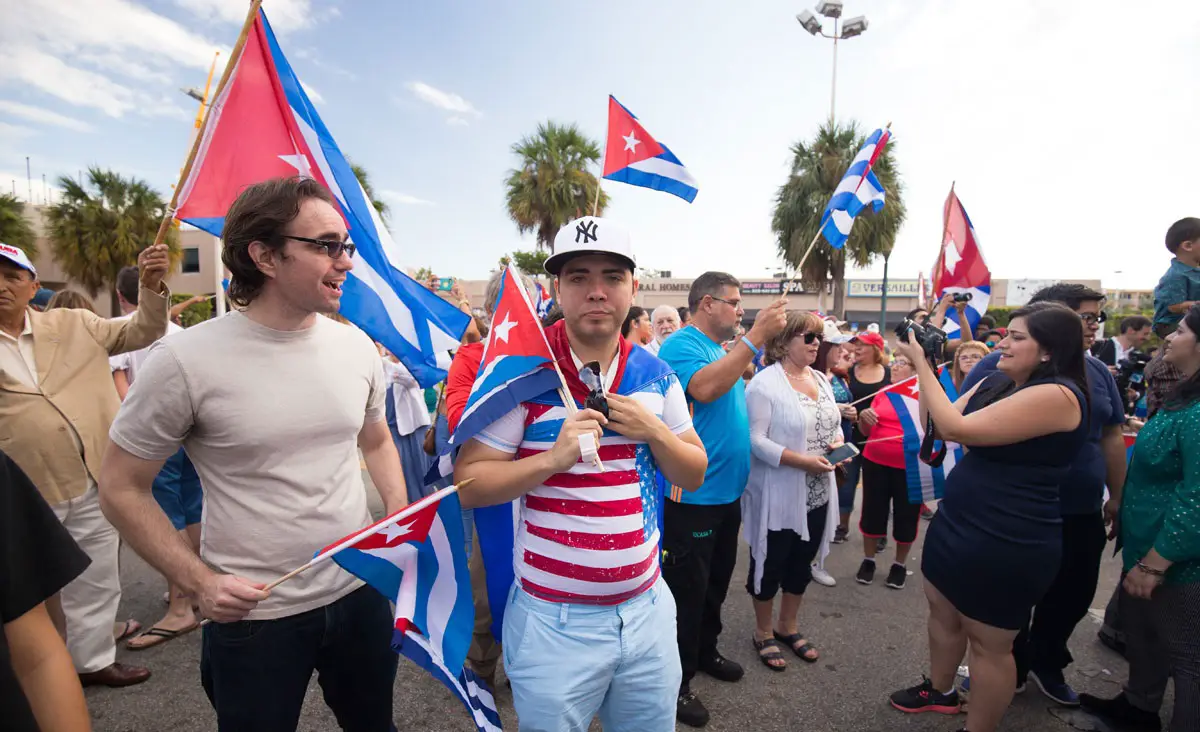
[[271, 421]]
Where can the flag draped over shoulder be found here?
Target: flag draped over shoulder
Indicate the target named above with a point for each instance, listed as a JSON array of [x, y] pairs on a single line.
[[262, 125]]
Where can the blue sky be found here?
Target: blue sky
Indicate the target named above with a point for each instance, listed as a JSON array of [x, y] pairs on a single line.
[[1066, 125]]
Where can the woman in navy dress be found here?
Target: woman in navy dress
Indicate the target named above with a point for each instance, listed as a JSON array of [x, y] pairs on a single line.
[[994, 547]]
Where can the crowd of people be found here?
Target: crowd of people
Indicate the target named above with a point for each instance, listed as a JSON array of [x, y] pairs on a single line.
[[706, 429]]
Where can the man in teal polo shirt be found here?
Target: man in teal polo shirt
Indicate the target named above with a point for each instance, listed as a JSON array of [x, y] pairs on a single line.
[[701, 527]]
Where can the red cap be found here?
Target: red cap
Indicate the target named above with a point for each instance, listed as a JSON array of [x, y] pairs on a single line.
[[871, 339]]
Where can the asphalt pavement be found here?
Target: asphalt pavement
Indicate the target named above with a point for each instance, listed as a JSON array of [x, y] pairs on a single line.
[[872, 641]]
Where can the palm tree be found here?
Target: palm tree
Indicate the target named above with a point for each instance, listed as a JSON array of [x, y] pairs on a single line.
[[365, 181], [817, 168], [15, 229], [97, 229], [552, 184]]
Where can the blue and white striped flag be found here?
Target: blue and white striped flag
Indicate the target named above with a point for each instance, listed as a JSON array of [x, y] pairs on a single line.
[[858, 188]]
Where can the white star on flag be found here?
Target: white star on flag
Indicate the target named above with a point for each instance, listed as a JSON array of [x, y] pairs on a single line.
[[952, 257], [299, 162], [631, 142], [395, 531], [504, 327]]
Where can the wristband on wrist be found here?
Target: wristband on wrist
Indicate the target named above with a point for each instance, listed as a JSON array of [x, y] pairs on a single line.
[[756, 351], [1150, 570]]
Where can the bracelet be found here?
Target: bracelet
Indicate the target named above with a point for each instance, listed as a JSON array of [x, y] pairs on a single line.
[[1150, 570], [757, 351]]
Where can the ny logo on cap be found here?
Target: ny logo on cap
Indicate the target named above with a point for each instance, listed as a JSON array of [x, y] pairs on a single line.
[[586, 229]]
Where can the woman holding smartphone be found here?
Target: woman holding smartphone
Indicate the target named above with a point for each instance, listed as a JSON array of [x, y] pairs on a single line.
[[885, 485], [995, 545], [789, 508]]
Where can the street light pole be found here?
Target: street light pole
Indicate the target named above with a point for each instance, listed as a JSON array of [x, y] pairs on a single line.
[[833, 86], [851, 28]]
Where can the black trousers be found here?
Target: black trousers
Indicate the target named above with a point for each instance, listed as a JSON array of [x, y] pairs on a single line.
[[699, 552], [1042, 644]]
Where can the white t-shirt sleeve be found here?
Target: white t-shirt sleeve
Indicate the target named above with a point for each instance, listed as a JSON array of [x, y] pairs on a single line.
[[377, 400], [675, 409], [157, 414], [506, 433], [120, 362]]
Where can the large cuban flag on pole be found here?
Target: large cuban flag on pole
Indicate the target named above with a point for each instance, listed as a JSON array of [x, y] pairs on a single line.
[[262, 125], [632, 156], [858, 189], [960, 266], [417, 558]]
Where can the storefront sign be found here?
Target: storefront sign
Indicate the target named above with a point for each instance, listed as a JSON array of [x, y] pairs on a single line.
[[874, 288]]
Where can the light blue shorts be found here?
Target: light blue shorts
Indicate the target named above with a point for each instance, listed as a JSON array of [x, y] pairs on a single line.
[[568, 663]]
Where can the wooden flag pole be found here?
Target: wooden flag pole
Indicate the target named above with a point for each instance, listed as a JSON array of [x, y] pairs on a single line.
[[169, 214]]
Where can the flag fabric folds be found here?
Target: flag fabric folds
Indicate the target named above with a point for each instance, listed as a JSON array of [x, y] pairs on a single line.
[[960, 266], [925, 482], [262, 125], [632, 156], [417, 558], [858, 189]]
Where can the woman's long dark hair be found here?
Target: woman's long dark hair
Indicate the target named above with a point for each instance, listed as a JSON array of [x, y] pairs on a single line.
[[1057, 329], [1187, 391]]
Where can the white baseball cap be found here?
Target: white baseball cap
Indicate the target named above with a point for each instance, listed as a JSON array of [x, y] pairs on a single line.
[[590, 235], [835, 336], [17, 257]]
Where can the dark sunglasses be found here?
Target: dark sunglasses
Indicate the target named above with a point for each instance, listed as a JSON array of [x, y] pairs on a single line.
[[591, 378], [809, 338], [333, 248]]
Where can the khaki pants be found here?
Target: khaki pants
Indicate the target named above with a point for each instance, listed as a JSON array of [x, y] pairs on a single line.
[[90, 602], [484, 653]]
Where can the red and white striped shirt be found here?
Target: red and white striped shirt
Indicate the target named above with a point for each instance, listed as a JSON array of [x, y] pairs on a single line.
[[586, 536]]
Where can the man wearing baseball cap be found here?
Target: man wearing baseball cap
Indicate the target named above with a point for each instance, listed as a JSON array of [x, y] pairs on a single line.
[[56, 404], [590, 625]]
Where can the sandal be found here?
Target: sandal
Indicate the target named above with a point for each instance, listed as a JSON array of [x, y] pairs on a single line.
[[128, 628], [773, 653], [157, 636], [803, 650]]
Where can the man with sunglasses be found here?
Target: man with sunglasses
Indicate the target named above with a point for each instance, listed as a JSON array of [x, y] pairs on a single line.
[[272, 403], [701, 527], [589, 625], [1040, 649]]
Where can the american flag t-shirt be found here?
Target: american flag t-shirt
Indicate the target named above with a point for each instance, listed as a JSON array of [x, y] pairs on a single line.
[[586, 536]]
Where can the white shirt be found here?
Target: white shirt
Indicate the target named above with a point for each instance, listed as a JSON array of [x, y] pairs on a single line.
[[129, 362], [16, 355], [408, 398], [1120, 350]]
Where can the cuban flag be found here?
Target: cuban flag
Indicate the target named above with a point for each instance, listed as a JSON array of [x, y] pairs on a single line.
[[417, 558], [925, 483], [262, 125], [858, 189], [960, 266], [545, 301], [632, 156]]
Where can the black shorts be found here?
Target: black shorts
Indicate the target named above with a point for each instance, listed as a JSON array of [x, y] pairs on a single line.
[[788, 563], [885, 488]]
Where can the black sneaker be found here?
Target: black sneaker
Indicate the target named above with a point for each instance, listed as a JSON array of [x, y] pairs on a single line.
[[690, 710], [897, 576], [722, 669], [1120, 711], [866, 572], [881, 544], [840, 535], [925, 698]]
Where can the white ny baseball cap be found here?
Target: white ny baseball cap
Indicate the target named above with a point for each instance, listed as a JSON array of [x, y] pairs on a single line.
[[590, 235], [17, 257]]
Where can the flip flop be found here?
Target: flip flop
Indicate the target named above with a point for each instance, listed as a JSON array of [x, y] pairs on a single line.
[[130, 628], [159, 636], [803, 650]]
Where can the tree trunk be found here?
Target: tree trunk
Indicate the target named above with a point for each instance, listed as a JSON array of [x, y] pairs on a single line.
[[839, 285]]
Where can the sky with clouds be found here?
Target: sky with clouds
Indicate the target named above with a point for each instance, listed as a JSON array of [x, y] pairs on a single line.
[[1065, 125]]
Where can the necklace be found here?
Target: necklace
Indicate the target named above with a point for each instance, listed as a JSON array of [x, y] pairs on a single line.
[[806, 375]]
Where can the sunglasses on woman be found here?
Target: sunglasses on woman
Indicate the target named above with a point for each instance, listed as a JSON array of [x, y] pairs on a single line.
[[810, 338]]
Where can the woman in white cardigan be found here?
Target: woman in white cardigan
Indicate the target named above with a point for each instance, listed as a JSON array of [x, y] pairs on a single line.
[[789, 509]]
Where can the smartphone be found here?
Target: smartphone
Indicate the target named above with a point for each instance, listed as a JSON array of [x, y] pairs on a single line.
[[445, 284], [844, 452]]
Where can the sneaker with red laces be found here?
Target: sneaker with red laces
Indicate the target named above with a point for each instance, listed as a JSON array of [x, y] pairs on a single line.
[[924, 698]]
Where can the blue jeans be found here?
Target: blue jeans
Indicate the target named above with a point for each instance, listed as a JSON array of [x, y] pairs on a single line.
[[568, 662], [849, 486], [256, 672], [178, 492]]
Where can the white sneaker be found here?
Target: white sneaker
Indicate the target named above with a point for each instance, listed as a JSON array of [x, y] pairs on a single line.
[[821, 577]]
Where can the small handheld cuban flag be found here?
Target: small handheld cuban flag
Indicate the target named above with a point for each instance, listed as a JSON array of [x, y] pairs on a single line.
[[632, 156], [858, 188], [417, 558], [925, 483]]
